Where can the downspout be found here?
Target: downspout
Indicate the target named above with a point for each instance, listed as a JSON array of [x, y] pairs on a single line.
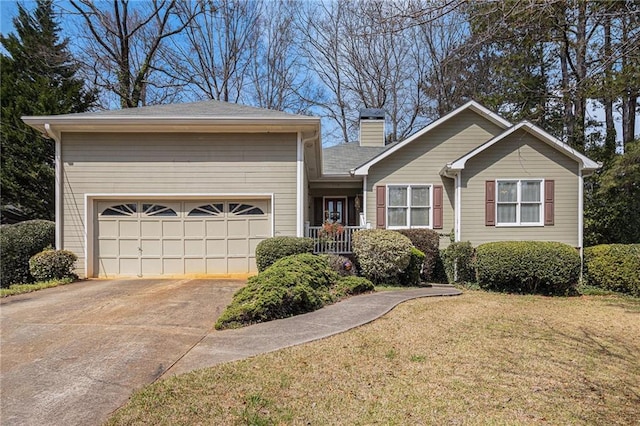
[[581, 218], [49, 132], [458, 220], [363, 218]]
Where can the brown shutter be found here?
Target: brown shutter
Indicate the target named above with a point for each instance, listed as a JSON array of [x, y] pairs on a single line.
[[437, 206], [490, 203], [381, 206], [549, 194]]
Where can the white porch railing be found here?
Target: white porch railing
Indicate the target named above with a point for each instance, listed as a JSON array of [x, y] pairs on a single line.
[[339, 243]]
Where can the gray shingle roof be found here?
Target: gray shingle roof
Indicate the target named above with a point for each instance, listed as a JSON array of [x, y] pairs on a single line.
[[339, 159], [209, 108]]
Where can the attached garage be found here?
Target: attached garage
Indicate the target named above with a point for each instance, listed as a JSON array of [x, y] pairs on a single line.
[[172, 237]]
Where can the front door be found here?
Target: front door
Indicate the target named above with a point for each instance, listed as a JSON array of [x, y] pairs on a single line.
[[335, 210]]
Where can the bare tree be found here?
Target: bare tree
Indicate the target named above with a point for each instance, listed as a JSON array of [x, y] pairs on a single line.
[[121, 41], [278, 77], [213, 55]]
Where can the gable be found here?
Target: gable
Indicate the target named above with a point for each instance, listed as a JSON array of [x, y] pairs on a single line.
[[467, 115]]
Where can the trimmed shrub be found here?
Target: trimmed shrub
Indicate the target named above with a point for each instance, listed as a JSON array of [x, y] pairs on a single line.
[[614, 267], [52, 265], [292, 285], [382, 254], [428, 242], [340, 264], [272, 249], [457, 259], [18, 243], [411, 275], [528, 267], [351, 285]]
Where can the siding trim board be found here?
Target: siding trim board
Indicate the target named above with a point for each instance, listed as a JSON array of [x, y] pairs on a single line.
[[90, 201]]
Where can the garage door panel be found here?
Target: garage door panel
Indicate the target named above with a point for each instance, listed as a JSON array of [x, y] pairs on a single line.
[[173, 266], [216, 228], [150, 228], [237, 247], [238, 228], [128, 228], [128, 247], [108, 248], [194, 229], [194, 247], [172, 248], [179, 237], [172, 229], [195, 266], [238, 265]]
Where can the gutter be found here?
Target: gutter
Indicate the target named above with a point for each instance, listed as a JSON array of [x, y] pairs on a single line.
[[57, 137]]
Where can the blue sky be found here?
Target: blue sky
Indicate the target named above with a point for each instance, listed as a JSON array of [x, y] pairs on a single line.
[[9, 8]]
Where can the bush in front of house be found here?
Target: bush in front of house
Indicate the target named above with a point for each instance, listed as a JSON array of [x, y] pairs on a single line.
[[614, 267], [428, 242], [341, 264], [292, 285], [528, 267], [382, 254], [18, 243], [270, 250], [52, 265], [411, 275], [352, 285], [457, 260]]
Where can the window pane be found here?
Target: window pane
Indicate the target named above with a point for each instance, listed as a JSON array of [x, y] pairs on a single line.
[[419, 217], [397, 217], [530, 213], [397, 196], [508, 192], [420, 196], [530, 191], [506, 213]]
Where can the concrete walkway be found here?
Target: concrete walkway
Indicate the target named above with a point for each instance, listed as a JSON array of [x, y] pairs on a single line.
[[230, 345]]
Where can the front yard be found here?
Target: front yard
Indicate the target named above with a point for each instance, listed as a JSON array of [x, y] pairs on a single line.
[[480, 358]]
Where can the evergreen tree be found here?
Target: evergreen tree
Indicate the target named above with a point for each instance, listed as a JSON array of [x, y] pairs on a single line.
[[38, 77]]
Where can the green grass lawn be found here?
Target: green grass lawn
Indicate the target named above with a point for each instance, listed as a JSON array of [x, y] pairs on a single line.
[[28, 288], [480, 358]]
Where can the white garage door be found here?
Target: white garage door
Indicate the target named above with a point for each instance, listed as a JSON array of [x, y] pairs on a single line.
[[169, 238]]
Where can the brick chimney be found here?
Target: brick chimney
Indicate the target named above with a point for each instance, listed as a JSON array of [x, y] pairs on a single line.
[[372, 127]]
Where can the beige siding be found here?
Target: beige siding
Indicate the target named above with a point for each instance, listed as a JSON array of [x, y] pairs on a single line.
[[372, 132], [520, 156], [420, 161], [177, 164]]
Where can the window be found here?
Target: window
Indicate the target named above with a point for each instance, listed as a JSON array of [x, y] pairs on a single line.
[[519, 202], [244, 209], [120, 210], [409, 206], [215, 209], [157, 210]]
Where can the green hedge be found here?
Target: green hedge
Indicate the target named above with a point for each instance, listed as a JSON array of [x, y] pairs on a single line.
[[528, 267], [292, 285], [428, 242], [351, 285], [458, 260], [272, 249], [52, 265], [382, 254], [411, 275], [613, 267], [18, 243]]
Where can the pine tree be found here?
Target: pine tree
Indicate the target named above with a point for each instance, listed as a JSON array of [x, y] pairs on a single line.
[[38, 77]]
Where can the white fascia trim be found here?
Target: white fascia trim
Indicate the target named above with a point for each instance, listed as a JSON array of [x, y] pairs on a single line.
[[299, 186], [58, 183], [585, 162], [89, 215], [472, 105]]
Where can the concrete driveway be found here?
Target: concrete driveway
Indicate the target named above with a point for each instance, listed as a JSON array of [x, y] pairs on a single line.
[[71, 355]]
